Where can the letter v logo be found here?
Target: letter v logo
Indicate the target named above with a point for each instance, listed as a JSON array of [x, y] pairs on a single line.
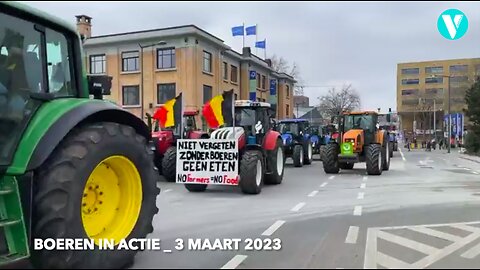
[[452, 24]]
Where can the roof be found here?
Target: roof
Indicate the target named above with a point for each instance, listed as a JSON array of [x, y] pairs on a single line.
[[154, 33], [361, 112], [83, 16], [312, 114], [293, 120], [249, 103], [47, 17]]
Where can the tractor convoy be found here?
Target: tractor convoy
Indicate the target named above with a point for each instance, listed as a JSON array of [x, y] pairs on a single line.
[[73, 166]]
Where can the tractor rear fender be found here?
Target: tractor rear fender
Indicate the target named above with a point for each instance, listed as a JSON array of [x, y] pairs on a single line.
[[89, 112], [270, 140], [380, 138]]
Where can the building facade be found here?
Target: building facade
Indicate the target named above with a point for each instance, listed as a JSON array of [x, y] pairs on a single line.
[[150, 67], [422, 93]]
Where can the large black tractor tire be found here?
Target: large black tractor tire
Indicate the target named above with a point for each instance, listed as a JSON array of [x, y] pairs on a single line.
[[196, 187], [322, 151], [374, 159], [395, 146], [330, 158], [252, 172], [59, 190], [386, 156], [346, 166], [308, 153], [169, 164], [157, 161], [276, 159], [298, 157]]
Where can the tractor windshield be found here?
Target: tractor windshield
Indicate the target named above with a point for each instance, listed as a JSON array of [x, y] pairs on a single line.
[[289, 128], [360, 121], [244, 117]]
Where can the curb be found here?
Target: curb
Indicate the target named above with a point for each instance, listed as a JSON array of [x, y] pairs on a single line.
[[469, 159]]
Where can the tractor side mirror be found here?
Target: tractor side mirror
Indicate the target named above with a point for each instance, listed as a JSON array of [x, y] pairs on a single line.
[[99, 85]]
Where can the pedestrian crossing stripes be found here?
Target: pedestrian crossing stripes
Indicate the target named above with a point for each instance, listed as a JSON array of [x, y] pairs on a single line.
[[379, 251]]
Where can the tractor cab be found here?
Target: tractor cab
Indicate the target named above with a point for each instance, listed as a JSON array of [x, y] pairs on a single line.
[[359, 128], [254, 118]]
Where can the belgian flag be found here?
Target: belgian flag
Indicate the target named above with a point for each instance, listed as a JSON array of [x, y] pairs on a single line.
[[219, 110], [170, 114]]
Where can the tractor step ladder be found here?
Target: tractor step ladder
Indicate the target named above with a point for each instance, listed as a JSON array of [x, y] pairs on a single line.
[[12, 223]]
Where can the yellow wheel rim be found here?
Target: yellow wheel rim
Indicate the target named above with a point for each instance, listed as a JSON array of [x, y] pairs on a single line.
[[112, 200]]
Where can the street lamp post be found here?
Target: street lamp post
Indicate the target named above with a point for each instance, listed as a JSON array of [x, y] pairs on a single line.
[[448, 112], [142, 69]]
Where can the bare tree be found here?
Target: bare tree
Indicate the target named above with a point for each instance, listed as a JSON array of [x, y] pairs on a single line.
[[337, 101], [281, 65]]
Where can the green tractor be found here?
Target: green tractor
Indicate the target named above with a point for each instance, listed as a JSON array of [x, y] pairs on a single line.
[[71, 166]]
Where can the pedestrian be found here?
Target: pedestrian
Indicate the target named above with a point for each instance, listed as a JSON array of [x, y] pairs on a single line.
[[408, 144]]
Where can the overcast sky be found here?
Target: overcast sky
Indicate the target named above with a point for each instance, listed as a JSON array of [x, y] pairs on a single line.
[[333, 43]]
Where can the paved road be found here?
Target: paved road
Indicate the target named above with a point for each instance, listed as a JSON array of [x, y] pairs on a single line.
[[424, 213]]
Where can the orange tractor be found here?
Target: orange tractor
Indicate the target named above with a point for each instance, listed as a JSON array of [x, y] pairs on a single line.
[[360, 140]]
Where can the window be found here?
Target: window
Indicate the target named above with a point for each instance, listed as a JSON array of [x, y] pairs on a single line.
[[58, 66], [234, 72], [258, 80], [166, 58], [207, 62], [131, 95], [263, 82], [165, 92], [130, 61], [458, 100], [287, 110], [207, 93], [410, 81], [225, 71], [434, 91], [410, 71], [97, 64], [288, 90], [409, 92], [20, 71], [458, 68], [459, 79], [410, 102], [434, 80], [434, 70]]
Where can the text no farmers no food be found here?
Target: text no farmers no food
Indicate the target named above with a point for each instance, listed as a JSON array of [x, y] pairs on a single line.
[[207, 162]]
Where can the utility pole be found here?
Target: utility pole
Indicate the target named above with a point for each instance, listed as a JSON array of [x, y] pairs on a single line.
[[434, 120], [449, 118]]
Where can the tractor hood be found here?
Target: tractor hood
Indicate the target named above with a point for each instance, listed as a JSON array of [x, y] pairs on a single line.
[[352, 134], [287, 138], [227, 133]]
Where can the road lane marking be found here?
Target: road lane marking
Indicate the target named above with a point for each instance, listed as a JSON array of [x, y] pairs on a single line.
[[331, 177], [467, 169], [436, 233], [361, 195], [167, 251], [374, 255], [363, 186], [297, 207], [357, 211], [167, 190], [420, 247], [234, 262], [313, 193], [472, 253], [401, 153], [475, 172], [352, 235], [273, 228], [324, 184], [365, 178]]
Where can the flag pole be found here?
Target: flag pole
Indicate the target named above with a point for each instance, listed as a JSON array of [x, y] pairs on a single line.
[[181, 118], [256, 39], [233, 112], [243, 36]]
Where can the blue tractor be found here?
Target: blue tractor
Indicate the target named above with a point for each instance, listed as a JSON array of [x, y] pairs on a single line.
[[297, 140]]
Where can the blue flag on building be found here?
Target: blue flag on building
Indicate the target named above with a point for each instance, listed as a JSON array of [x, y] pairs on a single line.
[[237, 31], [261, 44], [251, 30]]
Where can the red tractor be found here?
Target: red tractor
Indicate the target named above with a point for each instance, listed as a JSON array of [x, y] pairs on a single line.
[[165, 141], [262, 158]]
